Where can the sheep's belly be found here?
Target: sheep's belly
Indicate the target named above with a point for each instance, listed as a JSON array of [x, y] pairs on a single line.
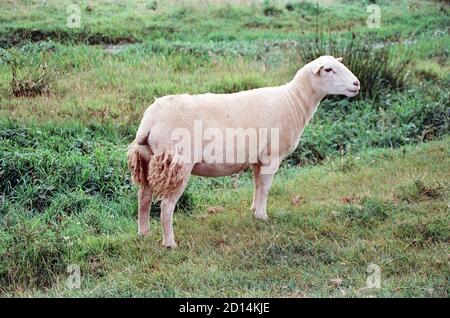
[[217, 169]]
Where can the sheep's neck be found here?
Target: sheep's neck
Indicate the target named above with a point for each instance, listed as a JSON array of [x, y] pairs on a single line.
[[304, 100]]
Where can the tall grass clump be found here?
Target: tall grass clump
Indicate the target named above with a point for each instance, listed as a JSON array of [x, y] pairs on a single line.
[[367, 211], [30, 74], [376, 66], [270, 9], [305, 7], [416, 190]]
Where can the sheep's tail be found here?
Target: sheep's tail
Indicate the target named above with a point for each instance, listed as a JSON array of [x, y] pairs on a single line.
[[138, 159], [166, 172]]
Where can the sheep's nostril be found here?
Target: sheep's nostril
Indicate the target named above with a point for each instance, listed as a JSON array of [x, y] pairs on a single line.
[[356, 83]]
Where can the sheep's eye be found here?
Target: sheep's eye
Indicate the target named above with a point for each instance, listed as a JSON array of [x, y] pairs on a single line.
[[328, 70]]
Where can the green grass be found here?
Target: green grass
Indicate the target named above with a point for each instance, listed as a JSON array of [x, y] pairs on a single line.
[[191, 22], [345, 219], [65, 192]]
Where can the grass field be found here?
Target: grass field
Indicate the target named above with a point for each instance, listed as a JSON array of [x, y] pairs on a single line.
[[327, 224], [368, 184]]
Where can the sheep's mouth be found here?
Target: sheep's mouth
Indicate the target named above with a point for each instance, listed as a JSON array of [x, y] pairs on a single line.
[[352, 92]]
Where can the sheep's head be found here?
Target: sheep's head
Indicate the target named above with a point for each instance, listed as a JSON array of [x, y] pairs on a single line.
[[331, 77]]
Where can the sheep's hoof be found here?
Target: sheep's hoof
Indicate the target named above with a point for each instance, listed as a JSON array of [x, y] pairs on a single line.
[[143, 233], [263, 217], [170, 245]]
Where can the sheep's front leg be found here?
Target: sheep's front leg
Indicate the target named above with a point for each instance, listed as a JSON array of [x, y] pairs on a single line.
[[256, 169], [145, 201], [266, 183]]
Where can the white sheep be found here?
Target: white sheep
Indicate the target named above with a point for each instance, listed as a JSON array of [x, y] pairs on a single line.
[[162, 158]]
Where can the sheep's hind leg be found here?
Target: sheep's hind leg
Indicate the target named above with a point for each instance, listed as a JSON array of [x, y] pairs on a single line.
[[266, 183], [167, 208], [145, 201], [256, 169]]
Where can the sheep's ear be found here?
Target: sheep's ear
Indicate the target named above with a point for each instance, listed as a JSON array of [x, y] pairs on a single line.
[[317, 67], [339, 59]]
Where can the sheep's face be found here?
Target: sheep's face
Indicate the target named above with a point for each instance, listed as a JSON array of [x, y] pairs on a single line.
[[331, 77]]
